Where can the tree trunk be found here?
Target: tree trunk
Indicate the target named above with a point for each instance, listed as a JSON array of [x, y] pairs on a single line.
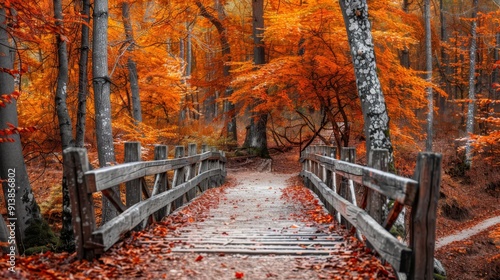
[[405, 53], [445, 59], [65, 126], [131, 65], [24, 214], [376, 119], [494, 75], [82, 77], [256, 137], [472, 87], [102, 101], [428, 63], [229, 109]]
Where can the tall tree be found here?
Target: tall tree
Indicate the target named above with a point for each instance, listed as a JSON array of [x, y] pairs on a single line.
[[256, 134], [65, 126], [26, 216], [82, 75], [472, 83], [428, 66], [131, 65], [102, 100], [230, 123], [376, 119]]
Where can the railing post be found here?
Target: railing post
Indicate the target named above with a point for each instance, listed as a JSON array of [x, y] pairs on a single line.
[[423, 215], [191, 171], [378, 159], [82, 205], [133, 187], [179, 177], [328, 176], [161, 153], [347, 154], [203, 168]]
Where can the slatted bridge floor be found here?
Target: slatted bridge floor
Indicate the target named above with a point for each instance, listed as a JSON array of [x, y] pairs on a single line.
[[252, 218]]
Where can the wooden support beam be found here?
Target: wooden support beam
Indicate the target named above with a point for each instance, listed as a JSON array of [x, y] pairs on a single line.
[[82, 205], [161, 180], [179, 177], [114, 198], [347, 154], [377, 159], [191, 170], [423, 218], [133, 187]]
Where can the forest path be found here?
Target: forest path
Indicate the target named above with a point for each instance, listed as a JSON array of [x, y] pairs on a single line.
[[467, 233], [253, 218]]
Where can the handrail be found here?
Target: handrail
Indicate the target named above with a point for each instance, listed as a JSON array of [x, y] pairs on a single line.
[[196, 171], [412, 261]]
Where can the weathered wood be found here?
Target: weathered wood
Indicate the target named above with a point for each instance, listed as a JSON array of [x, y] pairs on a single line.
[[347, 154], [110, 233], [191, 170], [393, 186], [179, 177], [423, 218], [378, 159], [114, 198], [393, 215], [202, 168], [161, 180], [133, 187], [389, 248], [106, 177], [82, 205]]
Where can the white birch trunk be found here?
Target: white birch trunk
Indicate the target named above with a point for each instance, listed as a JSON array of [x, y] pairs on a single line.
[[472, 87]]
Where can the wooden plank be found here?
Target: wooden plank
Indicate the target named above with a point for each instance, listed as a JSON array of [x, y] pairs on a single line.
[[110, 233], [347, 154], [114, 198], [179, 177], [82, 205], [161, 180], [255, 252], [202, 168], [423, 218], [389, 248], [133, 187], [191, 171], [106, 177], [377, 159]]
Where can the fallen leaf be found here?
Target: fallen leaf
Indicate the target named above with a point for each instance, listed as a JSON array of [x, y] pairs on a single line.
[[199, 258], [239, 275]]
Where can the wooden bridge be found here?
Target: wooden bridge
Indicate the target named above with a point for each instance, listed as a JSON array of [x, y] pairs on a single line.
[[253, 219]]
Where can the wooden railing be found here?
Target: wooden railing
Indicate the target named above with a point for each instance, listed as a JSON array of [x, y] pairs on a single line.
[[412, 261], [196, 171]]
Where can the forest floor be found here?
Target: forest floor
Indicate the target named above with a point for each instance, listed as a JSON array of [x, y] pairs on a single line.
[[464, 205]]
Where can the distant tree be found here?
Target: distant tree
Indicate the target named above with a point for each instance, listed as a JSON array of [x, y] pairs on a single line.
[[256, 134], [65, 126], [428, 66], [131, 65], [102, 101], [472, 83], [82, 75]]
